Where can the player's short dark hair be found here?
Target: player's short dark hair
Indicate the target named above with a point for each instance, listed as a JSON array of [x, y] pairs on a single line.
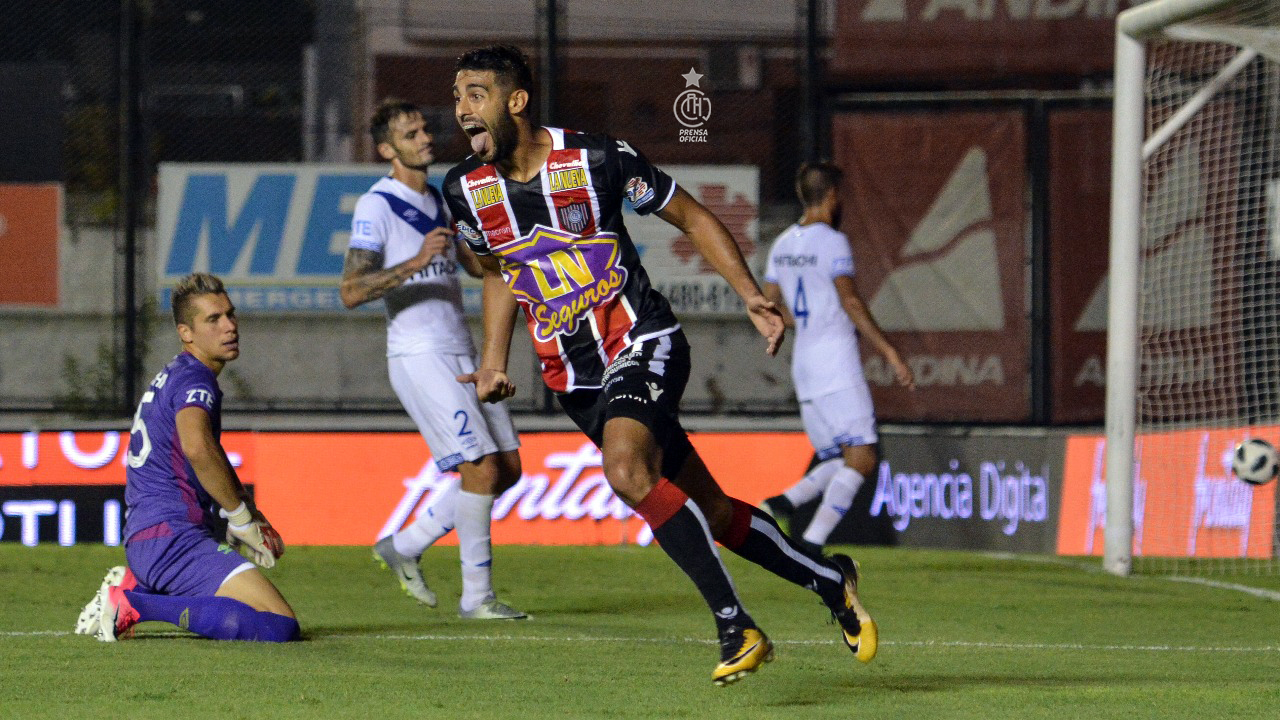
[[509, 64], [815, 179], [388, 110], [187, 290]]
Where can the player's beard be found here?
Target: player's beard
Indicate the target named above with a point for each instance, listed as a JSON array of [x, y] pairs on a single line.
[[503, 138]]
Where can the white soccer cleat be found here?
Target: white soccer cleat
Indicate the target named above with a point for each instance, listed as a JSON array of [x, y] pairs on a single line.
[[91, 615], [406, 570], [492, 609]]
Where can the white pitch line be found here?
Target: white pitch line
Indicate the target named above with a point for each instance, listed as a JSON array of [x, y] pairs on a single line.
[[891, 643], [1075, 647], [1247, 589], [1046, 560], [1081, 646], [1097, 567]]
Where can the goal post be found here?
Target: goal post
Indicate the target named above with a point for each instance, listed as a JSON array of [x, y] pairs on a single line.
[[1193, 345]]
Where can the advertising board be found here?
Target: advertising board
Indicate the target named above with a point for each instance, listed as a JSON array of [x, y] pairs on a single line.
[[277, 233], [352, 488]]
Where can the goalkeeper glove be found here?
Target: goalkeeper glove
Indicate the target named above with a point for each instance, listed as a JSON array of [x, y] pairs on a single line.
[[260, 541]]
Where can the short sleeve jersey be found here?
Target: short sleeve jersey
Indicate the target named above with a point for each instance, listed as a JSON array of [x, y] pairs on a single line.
[[424, 314], [804, 262], [160, 485], [565, 252]]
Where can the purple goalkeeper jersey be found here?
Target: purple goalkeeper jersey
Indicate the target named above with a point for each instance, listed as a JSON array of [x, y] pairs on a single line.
[[160, 484]]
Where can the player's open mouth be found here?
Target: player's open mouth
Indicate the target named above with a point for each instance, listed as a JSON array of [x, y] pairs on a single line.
[[480, 138]]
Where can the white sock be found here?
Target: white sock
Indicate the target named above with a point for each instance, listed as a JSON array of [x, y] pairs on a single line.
[[474, 549], [814, 483], [835, 503], [434, 521]]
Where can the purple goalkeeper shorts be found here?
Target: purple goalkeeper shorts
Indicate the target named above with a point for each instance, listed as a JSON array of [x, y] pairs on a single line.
[[175, 558]]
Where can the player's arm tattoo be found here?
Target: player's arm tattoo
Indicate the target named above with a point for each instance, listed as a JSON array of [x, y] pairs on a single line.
[[364, 279]]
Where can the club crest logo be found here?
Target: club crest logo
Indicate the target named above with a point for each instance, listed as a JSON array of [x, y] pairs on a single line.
[[574, 217], [692, 108]]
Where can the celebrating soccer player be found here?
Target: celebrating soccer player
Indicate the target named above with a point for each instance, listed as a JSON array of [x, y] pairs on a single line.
[[187, 509], [542, 208]]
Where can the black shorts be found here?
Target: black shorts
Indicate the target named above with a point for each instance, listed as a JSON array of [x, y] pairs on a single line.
[[644, 383]]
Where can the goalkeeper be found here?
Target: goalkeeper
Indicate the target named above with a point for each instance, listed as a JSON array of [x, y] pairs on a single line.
[[187, 509]]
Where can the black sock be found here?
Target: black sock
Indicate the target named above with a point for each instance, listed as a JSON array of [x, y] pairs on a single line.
[[780, 503], [681, 531], [755, 536]]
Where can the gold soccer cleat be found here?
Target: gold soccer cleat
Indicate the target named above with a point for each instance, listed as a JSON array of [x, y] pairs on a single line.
[[859, 630], [742, 650]]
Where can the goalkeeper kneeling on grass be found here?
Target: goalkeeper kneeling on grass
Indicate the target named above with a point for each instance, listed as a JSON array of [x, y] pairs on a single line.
[[188, 513]]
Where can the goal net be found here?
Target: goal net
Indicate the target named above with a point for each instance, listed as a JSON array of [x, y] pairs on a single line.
[[1194, 337]]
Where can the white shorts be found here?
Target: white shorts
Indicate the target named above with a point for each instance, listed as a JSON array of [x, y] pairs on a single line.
[[456, 425], [844, 418]]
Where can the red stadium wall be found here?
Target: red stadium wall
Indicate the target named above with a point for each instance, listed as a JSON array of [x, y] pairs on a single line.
[[972, 41], [1078, 251], [30, 222], [934, 205]]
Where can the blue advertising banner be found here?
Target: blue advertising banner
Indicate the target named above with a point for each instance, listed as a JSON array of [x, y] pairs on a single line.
[[277, 233]]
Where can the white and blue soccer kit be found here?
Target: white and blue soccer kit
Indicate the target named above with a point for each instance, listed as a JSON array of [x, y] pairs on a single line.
[[826, 367], [428, 341]]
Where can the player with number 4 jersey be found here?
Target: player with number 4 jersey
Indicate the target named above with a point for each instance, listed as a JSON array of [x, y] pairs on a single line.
[[810, 271], [187, 509]]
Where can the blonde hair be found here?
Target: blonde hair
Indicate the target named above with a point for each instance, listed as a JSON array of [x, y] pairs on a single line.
[[187, 289]]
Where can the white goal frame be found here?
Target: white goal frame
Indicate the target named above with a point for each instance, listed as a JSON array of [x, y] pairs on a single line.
[[1129, 150]]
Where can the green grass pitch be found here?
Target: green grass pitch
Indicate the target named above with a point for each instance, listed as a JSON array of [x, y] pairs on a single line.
[[618, 632]]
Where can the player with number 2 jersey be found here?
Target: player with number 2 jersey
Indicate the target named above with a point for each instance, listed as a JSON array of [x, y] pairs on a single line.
[[403, 251]]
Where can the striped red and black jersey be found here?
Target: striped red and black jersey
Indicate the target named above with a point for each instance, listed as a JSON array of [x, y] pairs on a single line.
[[565, 252]]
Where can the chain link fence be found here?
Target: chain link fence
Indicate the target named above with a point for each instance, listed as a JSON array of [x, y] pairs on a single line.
[[217, 104]]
